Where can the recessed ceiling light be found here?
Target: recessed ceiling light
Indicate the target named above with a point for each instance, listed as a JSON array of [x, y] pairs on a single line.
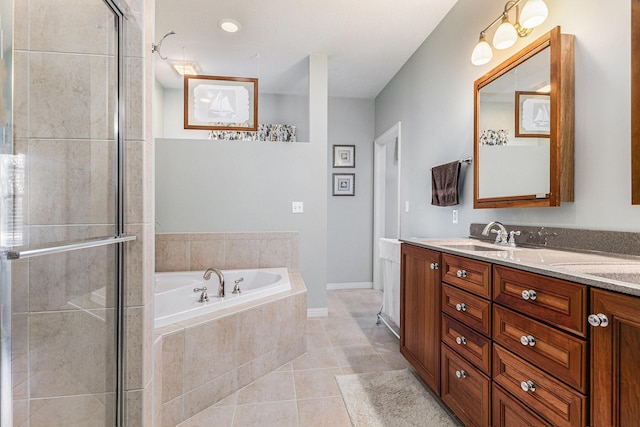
[[229, 25]]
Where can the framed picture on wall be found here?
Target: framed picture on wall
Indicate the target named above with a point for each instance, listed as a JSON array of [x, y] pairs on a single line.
[[344, 184], [344, 156], [533, 115], [220, 103]]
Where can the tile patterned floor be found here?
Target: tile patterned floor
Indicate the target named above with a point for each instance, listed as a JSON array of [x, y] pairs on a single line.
[[304, 393]]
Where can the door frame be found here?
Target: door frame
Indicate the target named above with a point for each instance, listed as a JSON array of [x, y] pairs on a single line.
[[391, 135]]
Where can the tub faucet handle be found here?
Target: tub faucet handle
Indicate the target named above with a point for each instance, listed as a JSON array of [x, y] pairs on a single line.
[[236, 287], [203, 296]]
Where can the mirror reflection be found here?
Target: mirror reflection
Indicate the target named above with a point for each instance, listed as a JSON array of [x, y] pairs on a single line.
[[514, 131]]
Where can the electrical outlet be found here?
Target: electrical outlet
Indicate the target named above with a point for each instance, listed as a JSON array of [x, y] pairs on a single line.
[[297, 207], [455, 216]]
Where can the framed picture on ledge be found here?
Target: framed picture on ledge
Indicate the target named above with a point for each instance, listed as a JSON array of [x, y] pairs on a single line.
[[344, 156], [220, 103], [344, 184]]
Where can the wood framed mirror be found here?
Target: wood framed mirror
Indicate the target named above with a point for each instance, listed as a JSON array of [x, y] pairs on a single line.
[[524, 127], [635, 102]]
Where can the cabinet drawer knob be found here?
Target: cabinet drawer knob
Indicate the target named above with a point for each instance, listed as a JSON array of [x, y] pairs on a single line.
[[461, 340], [598, 320], [461, 307], [528, 340], [529, 294], [528, 386], [461, 273], [434, 266], [461, 374]]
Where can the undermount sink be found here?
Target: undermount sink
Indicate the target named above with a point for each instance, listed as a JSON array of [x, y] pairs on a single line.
[[473, 247]]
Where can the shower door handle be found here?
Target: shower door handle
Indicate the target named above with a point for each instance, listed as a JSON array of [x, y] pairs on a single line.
[[70, 246]]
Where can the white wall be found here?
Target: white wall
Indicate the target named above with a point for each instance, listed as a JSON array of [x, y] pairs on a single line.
[[350, 219], [433, 97]]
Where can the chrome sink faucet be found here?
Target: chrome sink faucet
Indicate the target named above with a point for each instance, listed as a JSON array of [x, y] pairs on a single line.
[[207, 276], [501, 233]]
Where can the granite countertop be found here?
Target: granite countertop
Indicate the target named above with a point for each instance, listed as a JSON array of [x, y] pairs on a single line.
[[620, 273]]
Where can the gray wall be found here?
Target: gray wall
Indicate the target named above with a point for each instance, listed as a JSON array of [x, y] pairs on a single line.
[[350, 219], [433, 97]]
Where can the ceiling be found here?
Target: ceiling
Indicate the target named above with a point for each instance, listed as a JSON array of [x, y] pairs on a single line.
[[366, 41]]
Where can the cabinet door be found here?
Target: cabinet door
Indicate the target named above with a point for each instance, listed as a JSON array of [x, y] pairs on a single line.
[[615, 350], [420, 312]]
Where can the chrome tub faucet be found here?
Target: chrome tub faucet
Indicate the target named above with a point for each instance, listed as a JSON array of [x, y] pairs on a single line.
[[207, 276]]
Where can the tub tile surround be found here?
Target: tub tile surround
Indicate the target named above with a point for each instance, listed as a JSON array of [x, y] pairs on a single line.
[[207, 358], [304, 393], [229, 251]]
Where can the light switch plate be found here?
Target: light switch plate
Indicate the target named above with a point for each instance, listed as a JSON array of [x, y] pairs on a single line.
[[297, 207]]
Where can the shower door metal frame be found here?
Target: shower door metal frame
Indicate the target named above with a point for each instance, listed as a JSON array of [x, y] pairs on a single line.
[[119, 10]]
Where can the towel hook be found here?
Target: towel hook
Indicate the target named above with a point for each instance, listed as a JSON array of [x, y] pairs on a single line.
[[156, 47]]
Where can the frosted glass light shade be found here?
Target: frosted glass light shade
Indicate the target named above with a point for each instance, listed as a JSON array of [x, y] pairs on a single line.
[[534, 13], [482, 53], [505, 36]]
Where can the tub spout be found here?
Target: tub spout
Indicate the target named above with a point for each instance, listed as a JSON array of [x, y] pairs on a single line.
[[207, 276]]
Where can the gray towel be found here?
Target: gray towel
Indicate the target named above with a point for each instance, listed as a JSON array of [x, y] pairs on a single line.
[[444, 184]]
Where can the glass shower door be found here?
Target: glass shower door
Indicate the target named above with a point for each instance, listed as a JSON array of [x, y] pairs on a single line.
[[63, 209]]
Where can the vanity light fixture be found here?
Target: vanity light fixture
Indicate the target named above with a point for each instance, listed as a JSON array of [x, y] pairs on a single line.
[[533, 14], [229, 25], [185, 67]]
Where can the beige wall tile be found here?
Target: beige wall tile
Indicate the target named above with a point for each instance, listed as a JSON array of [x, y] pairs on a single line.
[[291, 318], [50, 21], [241, 253], [172, 255], [134, 173], [134, 125], [294, 255], [21, 88], [71, 352], [243, 236], [257, 332], [206, 253], [210, 351], [274, 253], [84, 410], [263, 365], [20, 413], [70, 181], [287, 353], [86, 114], [173, 412], [135, 348], [207, 236]]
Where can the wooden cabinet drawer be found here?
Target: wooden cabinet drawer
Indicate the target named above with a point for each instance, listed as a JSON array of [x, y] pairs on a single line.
[[558, 302], [471, 275], [473, 346], [509, 412], [469, 309], [465, 389], [556, 402], [559, 353]]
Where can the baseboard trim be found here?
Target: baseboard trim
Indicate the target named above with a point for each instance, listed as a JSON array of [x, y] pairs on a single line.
[[349, 285], [318, 312]]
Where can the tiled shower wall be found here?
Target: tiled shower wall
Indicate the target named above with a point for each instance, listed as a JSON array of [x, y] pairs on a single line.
[[46, 290], [198, 251]]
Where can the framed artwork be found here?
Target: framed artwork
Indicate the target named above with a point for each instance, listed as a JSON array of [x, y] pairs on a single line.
[[344, 156], [344, 184], [220, 103], [533, 115]]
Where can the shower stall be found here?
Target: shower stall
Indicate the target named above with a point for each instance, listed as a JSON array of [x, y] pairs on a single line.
[[62, 213]]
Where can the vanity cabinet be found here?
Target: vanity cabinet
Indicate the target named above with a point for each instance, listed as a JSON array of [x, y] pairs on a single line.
[[540, 348], [615, 355], [420, 312], [466, 339]]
